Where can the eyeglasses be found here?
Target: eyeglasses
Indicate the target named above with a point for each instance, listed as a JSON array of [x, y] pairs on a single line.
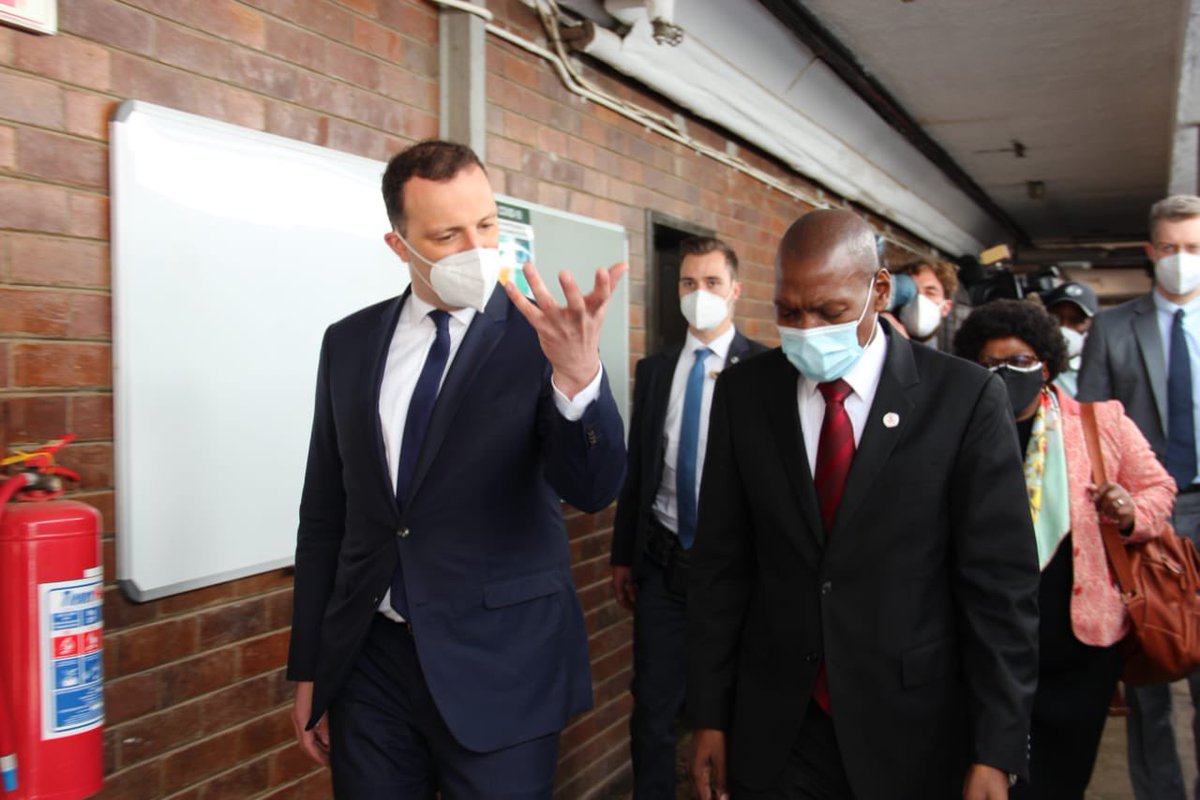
[[1022, 362]]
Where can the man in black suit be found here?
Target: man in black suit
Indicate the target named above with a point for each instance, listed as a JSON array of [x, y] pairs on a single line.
[[435, 616], [655, 521], [1146, 353], [862, 614]]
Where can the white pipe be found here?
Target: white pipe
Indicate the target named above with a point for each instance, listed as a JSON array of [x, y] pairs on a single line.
[[470, 8], [658, 124]]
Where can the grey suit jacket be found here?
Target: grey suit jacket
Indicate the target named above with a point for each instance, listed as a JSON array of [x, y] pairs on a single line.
[[1123, 360]]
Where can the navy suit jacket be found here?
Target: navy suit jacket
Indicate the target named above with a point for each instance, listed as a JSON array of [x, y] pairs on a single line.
[[651, 396], [495, 617]]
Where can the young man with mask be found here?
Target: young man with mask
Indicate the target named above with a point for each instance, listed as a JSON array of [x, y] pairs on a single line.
[[1073, 305], [1146, 353], [656, 513], [936, 282], [852, 635], [437, 640]]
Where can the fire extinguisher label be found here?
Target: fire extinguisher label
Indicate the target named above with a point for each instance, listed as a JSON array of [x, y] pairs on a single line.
[[72, 656]]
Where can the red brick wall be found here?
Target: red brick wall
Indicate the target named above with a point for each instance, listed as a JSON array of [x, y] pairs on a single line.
[[197, 703]]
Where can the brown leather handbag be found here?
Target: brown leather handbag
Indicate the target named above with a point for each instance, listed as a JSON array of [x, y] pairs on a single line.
[[1158, 579]]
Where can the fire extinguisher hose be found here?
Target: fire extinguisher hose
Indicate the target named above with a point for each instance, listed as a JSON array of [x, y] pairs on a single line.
[[8, 748]]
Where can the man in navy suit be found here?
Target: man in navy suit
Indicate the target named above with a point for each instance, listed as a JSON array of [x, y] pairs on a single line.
[[436, 630], [649, 554]]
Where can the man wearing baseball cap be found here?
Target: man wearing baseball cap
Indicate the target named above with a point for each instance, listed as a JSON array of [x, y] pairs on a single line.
[[1074, 304]]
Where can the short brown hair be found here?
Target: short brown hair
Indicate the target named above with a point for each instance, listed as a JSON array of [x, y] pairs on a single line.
[[1175, 208], [944, 271], [433, 160], [703, 245]]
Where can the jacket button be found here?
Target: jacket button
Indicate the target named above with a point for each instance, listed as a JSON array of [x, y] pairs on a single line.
[[826, 587], [810, 657], [402, 533], [592, 438]]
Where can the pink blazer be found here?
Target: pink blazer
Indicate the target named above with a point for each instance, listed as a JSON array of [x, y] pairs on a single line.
[[1097, 614]]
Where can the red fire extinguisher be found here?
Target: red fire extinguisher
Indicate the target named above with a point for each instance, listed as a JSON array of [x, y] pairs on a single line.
[[51, 655]]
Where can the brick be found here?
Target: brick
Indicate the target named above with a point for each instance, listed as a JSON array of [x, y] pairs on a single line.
[[8, 148], [264, 653], [129, 698], [351, 66], [61, 158], [57, 262], [377, 39], [295, 123], [288, 764], [136, 783], [33, 207], [35, 419], [270, 76], [414, 22], [325, 18], [102, 502], [245, 780], [91, 316], [265, 733], [352, 138], [94, 463], [237, 704], [32, 101], [88, 214], [48, 364], [193, 51], [232, 623], [88, 114], [294, 44], [231, 20], [91, 416], [64, 58], [3, 380], [193, 677], [109, 23], [157, 643], [264, 582], [197, 598], [154, 734], [34, 313], [121, 612], [368, 7]]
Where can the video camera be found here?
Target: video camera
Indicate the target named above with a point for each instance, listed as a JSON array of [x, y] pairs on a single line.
[[992, 277]]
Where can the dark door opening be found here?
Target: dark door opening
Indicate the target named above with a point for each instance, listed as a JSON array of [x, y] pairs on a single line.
[[665, 325]]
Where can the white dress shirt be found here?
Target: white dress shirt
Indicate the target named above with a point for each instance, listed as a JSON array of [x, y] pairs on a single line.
[[413, 337], [863, 378], [665, 505]]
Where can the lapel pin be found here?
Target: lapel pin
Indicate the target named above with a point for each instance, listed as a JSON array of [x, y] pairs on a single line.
[[891, 419], [733, 359], [713, 373]]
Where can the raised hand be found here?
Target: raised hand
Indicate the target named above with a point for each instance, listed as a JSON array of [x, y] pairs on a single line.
[[569, 334]]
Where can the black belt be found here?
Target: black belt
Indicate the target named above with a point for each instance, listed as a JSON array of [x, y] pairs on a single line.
[[660, 542]]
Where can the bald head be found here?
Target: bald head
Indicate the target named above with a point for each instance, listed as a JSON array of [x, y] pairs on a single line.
[[832, 237], [827, 273]]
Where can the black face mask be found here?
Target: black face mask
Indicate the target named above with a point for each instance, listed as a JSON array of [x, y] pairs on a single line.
[[1022, 387]]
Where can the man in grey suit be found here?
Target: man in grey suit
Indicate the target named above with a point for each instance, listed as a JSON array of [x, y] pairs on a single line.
[[1146, 353]]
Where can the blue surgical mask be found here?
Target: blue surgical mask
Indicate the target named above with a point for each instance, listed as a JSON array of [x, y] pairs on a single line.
[[828, 352]]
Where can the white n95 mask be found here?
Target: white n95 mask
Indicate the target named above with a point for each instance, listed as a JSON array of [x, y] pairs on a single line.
[[920, 317], [464, 279], [704, 310], [1178, 273]]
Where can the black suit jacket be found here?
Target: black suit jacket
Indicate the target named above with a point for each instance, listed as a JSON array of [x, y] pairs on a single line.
[[495, 617], [922, 600], [1123, 360], [643, 475]]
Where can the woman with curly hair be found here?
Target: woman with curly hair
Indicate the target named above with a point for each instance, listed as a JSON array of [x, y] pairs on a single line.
[[1082, 616]]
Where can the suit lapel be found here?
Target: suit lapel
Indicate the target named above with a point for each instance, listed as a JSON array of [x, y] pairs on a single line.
[[783, 410], [1149, 338], [879, 438], [737, 350], [481, 338], [658, 400], [379, 344]]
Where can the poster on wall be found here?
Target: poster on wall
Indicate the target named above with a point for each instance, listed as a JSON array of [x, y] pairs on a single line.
[[516, 244], [34, 15]]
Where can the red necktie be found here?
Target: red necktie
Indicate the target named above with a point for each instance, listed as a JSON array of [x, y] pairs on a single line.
[[835, 453]]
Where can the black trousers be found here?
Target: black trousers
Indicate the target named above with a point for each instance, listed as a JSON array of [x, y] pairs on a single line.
[[1075, 683], [814, 769], [659, 683]]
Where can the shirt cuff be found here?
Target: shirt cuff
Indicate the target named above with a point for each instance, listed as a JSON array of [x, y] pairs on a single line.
[[572, 409]]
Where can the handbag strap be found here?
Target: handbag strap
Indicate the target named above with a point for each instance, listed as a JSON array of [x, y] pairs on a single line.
[[1113, 541]]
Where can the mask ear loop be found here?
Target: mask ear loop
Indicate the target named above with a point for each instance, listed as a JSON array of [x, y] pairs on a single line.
[[412, 271]]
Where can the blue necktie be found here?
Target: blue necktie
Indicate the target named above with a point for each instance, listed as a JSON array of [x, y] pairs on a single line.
[[689, 446], [1181, 422], [420, 409]]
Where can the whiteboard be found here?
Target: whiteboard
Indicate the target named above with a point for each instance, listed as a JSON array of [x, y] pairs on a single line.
[[232, 251]]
